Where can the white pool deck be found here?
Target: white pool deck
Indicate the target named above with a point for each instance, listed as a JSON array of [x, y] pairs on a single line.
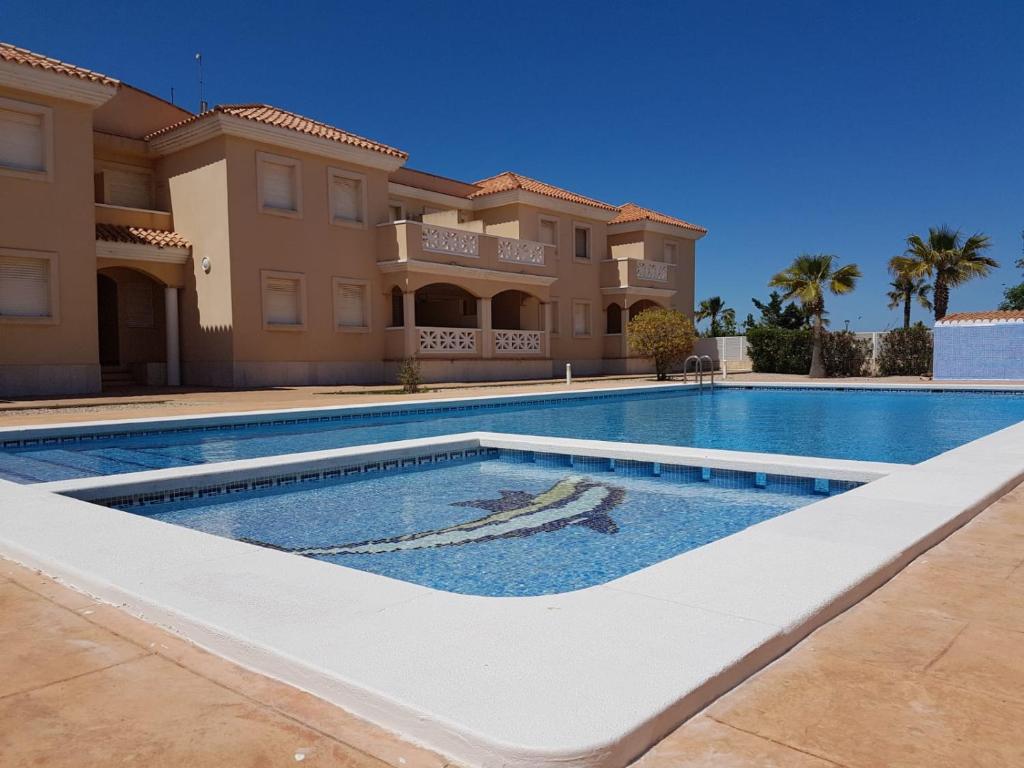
[[585, 678]]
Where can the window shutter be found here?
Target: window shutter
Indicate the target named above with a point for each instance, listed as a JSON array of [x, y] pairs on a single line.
[[347, 199], [548, 232], [580, 319], [670, 253], [24, 287], [279, 186], [281, 299], [349, 309], [128, 188], [554, 317], [582, 243], [21, 141]]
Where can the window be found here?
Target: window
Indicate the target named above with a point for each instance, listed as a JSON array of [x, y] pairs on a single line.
[[279, 180], [670, 253], [350, 305], [27, 286], [25, 139], [284, 300], [396, 212], [581, 236], [347, 195], [581, 318], [554, 318], [549, 231], [132, 189]]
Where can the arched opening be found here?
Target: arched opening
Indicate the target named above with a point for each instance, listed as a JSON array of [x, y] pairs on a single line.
[[516, 311], [443, 305], [613, 319], [132, 327], [637, 307], [397, 308]]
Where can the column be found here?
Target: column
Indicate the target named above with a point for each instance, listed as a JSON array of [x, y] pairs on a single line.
[[625, 329], [546, 310], [173, 348], [412, 342], [483, 314]]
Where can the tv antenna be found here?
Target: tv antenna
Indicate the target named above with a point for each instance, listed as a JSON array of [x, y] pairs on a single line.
[[203, 106]]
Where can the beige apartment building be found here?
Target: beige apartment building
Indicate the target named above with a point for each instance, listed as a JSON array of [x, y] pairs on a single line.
[[249, 246]]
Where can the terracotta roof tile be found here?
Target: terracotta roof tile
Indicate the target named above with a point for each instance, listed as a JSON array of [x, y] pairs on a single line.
[[632, 212], [161, 238], [1008, 316], [17, 55], [506, 181], [282, 118]]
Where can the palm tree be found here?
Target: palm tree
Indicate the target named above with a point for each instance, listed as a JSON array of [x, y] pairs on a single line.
[[807, 279], [949, 260], [907, 286], [713, 308]]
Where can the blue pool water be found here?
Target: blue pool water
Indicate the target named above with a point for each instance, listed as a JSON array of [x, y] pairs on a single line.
[[548, 528], [894, 426]]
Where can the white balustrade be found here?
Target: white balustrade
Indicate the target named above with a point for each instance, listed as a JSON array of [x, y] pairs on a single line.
[[652, 270], [520, 251], [509, 342], [447, 340], [445, 240]]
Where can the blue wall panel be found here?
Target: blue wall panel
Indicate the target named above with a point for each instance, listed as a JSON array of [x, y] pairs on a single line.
[[979, 351]]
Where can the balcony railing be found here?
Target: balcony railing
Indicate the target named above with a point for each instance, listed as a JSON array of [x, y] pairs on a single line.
[[445, 240], [518, 342], [656, 271], [520, 251], [447, 341]]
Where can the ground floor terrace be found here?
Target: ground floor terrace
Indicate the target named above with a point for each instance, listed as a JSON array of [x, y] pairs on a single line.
[[924, 671]]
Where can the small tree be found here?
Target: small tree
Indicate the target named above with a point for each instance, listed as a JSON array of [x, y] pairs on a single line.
[[409, 375], [666, 335]]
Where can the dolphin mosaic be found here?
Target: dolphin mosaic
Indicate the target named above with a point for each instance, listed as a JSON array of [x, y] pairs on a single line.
[[573, 500]]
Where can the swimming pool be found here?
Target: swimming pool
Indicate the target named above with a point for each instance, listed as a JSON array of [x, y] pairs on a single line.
[[890, 425], [500, 523]]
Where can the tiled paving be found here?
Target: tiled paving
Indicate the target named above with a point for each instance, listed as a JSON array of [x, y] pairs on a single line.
[[928, 671], [84, 685]]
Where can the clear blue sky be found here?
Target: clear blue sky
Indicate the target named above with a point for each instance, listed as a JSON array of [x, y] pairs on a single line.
[[781, 127]]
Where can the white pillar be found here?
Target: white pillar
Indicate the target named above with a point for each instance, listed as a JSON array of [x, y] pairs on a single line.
[[409, 317], [173, 349], [546, 309], [483, 313]]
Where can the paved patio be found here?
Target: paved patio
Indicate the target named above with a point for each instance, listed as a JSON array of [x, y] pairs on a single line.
[[927, 671]]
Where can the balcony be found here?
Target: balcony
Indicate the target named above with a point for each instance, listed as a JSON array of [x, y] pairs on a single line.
[[637, 273], [413, 242]]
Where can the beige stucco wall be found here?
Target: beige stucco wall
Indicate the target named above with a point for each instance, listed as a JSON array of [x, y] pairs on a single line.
[[54, 216], [197, 182], [311, 245]]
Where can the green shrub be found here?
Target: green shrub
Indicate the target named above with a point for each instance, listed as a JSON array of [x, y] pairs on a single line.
[[778, 350], [409, 375], [666, 335], [906, 352], [844, 354]]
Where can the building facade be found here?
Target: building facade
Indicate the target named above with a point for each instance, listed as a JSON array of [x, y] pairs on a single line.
[[250, 246]]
